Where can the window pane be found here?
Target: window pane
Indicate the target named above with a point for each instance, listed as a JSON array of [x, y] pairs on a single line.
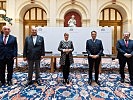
[[0, 4], [26, 30], [112, 14], [44, 16], [113, 36], [106, 14], [118, 32], [33, 14], [27, 16], [4, 5], [101, 15], [118, 16], [39, 14]]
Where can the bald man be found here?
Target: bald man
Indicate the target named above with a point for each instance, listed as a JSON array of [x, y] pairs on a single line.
[[125, 55], [33, 52], [8, 52]]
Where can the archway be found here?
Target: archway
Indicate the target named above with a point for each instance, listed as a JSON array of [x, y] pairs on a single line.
[[111, 17], [77, 18], [114, 16], [78, 8], [32, 18]]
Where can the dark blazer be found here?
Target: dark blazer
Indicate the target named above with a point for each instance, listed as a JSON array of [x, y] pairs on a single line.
[[63, 45], [9, 50], [122, 49], [94, 48], [31, 51]]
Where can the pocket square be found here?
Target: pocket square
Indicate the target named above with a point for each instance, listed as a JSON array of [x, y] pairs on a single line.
[[39, 41]]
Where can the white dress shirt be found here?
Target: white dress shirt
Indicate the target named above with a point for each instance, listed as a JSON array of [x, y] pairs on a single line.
[[34, 39], [93, 40]]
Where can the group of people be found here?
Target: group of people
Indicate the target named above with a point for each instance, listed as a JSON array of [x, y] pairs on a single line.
[[34, 51]]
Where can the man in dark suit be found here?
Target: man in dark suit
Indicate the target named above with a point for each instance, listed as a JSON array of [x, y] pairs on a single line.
[[33, 53], [8, 52], [125, 55], [94, 49]]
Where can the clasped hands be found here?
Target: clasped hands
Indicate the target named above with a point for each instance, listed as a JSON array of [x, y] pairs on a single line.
[[127, 55], [67, 50], [94, 56]]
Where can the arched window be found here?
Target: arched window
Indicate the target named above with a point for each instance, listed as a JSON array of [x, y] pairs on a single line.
[[34, 17], [111, 17]]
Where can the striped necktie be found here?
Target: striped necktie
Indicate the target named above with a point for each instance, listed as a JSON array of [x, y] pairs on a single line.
[[126, 43], [5, 37]]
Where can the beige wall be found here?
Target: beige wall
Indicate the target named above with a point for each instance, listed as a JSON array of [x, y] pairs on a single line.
[[56, 9]]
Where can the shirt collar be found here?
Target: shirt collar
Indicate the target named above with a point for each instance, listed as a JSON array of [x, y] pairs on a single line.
[[5, 35], [66, 41], [94, 40], [126, 40], [34, 36]]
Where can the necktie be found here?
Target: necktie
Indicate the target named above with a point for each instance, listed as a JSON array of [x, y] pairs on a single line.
[[5, 40], [126, 43]]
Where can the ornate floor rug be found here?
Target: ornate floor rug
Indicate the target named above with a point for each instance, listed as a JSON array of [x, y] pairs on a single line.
[[52, 87]]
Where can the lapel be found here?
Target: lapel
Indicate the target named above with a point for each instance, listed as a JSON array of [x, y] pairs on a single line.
[[1, 39], [91, 40], [94, 41], [129, 43], [37, 39], [9, 39], [31, 41]]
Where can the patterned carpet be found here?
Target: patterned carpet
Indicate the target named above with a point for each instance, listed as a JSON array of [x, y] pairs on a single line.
[[52, 87]]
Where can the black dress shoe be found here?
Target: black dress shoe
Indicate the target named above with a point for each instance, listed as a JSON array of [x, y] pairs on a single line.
[[122, 80], [29, 83], [9, 83], [89, 82], [67, 81], [64, 82], [97, 82], [2, 84]]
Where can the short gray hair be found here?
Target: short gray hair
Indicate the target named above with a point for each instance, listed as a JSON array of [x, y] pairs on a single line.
[[66, 34], [126, 32]]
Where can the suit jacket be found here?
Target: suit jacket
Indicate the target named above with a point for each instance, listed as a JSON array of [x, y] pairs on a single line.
[[94, 48], [9, 50], [65, 45], [122, 49], [31, 51]]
